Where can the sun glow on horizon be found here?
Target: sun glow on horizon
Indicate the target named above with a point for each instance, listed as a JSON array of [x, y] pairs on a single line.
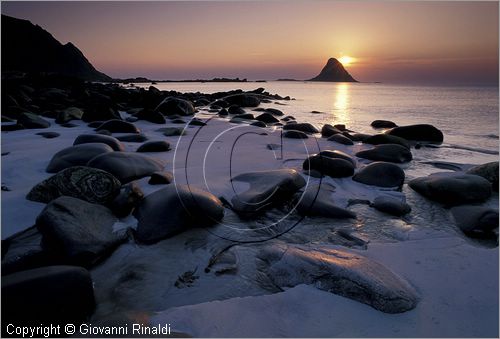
[[346, 60]]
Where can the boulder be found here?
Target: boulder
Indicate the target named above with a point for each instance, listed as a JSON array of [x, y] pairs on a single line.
[[317, 201], [489, 171], [379, 139], [387, 152], [303, 127], [452, 188], [341, 139], [79, 231], [114, 143], [161, 178], [31, 121], [477, 221], [357, 136], [267, 189], [391, 206], [243, 100], [119, 126], [70, 113], [245, 116], [48, 295], [331, 166], [126, 166], [291, 134], [340, 272], [268, 118], [381, 174], [421, 132], [174, 209], [128, 198], [171, 106], [334, 154], [151, 116], [383, 124], [223, 112], [48, 135], [132, 138], [171, 131], [77, 155], [89, 184], [235, 110], [154, 146], [274, 111], [328, 130], [259, 124]]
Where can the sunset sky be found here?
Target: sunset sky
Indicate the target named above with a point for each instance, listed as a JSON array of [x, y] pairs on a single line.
[[400, 42]]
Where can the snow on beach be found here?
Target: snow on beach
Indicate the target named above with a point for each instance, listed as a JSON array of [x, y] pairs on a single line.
[[456, 278]]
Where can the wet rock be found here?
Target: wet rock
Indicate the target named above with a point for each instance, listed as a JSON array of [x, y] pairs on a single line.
[[196, 122], [161, 178], [259, 124], [114, 143], [243, 100], [476, 221], [489, 171], [378, 139], [77, 155], [245, 116], [223, 112], [267, 189], [332, 166], [151, 116], [177, 121], [174, 209], [70, 113], [421, 132], [383, 124], [48, 295], [328, 130], [126, 166], [334, 154], [30, 120], [79, 231], [171, 106], [341, 139], [154, 146], [340, 127], [119, 126], [357, 136], [387, 152], [235, 110], [132, 138], [452, 188], [49, 135], [268, 118], [274, 111], [391, 206], [317, 201], [381, 174], [340, 272], [171, 131], [303, 127], [69, 125], [129, 198], [294, 134], [89, 184]]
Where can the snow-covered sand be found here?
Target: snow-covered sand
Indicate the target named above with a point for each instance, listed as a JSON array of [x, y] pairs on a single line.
[[456, 278]]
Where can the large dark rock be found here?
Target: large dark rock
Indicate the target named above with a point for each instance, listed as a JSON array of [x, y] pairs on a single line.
[[453, 188], [332, 166], [154, 146], [391, 206], [49, 135], [47, 296], [333, 71], [70, 113], [119, 126], [243, 100], [30, 120], [477, 221], [268, 118], [129, 198], [274, 111], [317, 201], [174, 209], [383, 124], [89, 184], [126, 166], [161, 178], [341, 139], [77, 155], [340, 272], [328, 130], [489, 171], [387, 152], [235, 109], [267, 189], [292, 134], [151, 116], [112, 142], [422, 132], [79, 231], [132, 137], [335, 154], [303, 127], [381, 174], [379, 139], [172, 106]]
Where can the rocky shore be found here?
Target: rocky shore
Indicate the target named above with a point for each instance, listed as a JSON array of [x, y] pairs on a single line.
[[195, 197]]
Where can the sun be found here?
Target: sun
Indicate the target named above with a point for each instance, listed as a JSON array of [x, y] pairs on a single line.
[[346, 60]]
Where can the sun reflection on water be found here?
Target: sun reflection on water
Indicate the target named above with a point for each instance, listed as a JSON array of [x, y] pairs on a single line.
[[340, 109]]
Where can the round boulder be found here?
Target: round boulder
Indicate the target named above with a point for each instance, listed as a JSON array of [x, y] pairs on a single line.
[[339, 138], [391, 206], [77, 155], [379, 139], [387, 152], [381, 174], [383, 124], [114, 143], [292, 134], [154, 146], [489, 171], [475, 220], [303, 127], [420, 132], [172, 106], [333, 167], [119, 126]]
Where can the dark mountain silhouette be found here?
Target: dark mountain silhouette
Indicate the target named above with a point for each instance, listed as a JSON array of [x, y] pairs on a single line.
[[334, 71], [31, 49]]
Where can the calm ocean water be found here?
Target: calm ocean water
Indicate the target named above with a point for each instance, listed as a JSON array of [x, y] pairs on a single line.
[[468, 116]]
